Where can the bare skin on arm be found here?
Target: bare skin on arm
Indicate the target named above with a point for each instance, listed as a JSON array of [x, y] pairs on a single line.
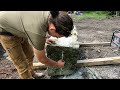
[[45, 60]]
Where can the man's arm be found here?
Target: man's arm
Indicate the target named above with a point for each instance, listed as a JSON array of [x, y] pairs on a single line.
[[45, 60]]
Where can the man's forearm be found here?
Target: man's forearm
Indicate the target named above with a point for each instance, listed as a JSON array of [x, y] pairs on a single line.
[[44, 59], [49, 62]]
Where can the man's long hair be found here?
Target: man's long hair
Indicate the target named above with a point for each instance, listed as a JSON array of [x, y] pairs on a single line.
[[62, 22]]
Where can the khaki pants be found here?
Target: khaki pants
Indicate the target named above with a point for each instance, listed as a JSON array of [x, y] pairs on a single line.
[[21, 54]]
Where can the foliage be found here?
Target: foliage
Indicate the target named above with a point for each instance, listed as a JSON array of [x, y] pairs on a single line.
[[91, 14]]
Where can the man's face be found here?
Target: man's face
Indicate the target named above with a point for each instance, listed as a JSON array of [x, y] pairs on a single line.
[[52, 31]]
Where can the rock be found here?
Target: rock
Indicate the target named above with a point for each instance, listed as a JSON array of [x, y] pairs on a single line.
[[70, 56]]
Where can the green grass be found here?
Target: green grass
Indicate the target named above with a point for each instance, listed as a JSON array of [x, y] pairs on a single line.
[[93, 15]]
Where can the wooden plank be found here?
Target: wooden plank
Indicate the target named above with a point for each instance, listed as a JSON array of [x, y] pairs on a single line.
[[39, 66], [98, 61], [94, 44]]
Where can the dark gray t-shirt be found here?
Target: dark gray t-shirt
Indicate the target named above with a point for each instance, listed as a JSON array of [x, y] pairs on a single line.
[[28, 24]]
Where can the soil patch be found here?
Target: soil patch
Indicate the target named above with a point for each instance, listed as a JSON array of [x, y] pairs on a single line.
[[90, 30]]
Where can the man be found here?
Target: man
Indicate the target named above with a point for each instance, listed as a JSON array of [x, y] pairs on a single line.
[[23, 34]]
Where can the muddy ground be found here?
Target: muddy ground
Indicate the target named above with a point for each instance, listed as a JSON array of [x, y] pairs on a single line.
[[90, 30]]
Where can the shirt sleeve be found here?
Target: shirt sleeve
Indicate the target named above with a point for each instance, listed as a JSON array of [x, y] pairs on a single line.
[[36, 41], [34, 26]]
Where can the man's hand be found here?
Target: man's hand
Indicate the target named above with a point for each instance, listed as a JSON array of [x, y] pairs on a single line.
[[50, 41], [61, 63]]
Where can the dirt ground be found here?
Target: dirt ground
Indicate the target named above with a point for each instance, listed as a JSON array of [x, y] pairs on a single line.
[[90, 30]]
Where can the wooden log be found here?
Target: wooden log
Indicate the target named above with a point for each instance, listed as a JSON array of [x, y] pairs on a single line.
[[94, 44], [39, 66], [98, 61]]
